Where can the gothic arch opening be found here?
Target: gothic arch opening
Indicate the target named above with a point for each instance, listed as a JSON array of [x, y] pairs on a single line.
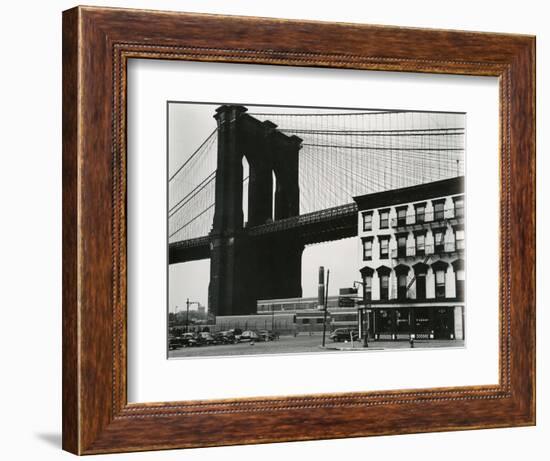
[[246, 182]]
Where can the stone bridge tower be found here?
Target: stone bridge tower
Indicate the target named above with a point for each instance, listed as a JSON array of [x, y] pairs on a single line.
[[242, 270]]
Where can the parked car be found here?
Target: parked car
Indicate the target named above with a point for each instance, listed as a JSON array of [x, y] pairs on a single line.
[[344, 334], [219, 338], [225, 337], [192, 340], [175, 342], [206, 338], [250, 335], [268, 335], [236, 332]]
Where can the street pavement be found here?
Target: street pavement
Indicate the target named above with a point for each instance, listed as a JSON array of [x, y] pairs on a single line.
[[304, 343]]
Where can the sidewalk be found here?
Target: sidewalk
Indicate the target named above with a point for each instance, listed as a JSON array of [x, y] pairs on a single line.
[[400, 344]]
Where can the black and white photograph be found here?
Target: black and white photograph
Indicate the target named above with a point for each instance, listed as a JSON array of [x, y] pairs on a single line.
[[314, 229], [275, 230]]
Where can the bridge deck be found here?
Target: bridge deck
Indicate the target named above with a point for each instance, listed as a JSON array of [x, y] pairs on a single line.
[[319, 226], [316, 217]]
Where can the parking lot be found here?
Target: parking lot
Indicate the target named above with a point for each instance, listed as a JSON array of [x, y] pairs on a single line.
[[300, 344]]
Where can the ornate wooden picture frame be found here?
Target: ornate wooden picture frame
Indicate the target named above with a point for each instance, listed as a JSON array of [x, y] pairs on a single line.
[[97, 44]]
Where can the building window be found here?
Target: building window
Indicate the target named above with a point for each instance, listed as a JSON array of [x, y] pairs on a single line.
[[440, 283], [402, 286], [367, 221], [420, 270], [366, 275], [367, 249], [459, 206], [367, 288], [420, 213], [402, 245], [420, 244], [420, 286], [401, 216], [384, 219], [460, 280], [439, 240], [439, 210], [459, 239], [384, 286], [384, 247]]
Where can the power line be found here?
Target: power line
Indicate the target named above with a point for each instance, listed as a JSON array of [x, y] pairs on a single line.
[[192, 155], [415, 132], [195, 191], [321, 114], [336, 146]]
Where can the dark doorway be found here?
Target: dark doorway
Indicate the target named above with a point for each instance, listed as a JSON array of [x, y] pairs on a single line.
[[444, 323]]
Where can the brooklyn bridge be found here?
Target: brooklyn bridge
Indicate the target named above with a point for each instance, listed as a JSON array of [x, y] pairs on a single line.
[[262, 186]]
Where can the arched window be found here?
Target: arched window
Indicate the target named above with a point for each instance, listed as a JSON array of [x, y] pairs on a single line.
[[439, 239], [402, 271], [366, 275], [274, 189], [384, 276], [246, 173], [420, 270], [460, 277], [440, 270]]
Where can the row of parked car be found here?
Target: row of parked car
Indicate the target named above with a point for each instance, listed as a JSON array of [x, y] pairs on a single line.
[[233, 336]]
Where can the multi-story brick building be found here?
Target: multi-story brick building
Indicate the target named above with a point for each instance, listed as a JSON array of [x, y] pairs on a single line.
[[412, 261]]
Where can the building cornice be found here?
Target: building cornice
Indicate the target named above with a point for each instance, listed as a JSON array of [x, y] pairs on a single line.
[[417, 193]]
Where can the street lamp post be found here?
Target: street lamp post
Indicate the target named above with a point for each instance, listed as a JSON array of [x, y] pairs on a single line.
[[326, 305], [187, 317], [188, 303], [366, 315]]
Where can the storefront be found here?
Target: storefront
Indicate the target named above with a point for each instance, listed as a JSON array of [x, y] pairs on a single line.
[[419, 322]]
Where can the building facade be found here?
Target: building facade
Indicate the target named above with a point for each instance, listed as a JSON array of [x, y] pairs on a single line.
[[412, 243]]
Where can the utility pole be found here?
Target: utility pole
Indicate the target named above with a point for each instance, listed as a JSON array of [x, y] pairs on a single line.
[[187, 317], [326, 305], [365, 319], [188, 303], [366, 337]]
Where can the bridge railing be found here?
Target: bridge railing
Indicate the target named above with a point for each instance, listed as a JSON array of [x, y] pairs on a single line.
[[305, 219]]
